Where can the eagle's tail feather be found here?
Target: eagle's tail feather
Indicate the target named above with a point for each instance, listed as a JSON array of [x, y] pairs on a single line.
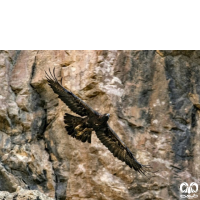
[[72, 120], [76, 128]]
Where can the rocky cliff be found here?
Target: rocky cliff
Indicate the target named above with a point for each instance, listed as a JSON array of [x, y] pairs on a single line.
[[153, 99]]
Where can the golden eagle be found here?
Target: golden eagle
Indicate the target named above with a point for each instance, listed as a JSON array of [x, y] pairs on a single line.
[[90, 120]]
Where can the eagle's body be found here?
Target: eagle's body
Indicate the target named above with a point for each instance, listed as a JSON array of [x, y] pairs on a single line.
[[90, 120]]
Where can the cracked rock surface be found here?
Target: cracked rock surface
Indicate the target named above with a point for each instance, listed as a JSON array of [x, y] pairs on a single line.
[[153, 99]]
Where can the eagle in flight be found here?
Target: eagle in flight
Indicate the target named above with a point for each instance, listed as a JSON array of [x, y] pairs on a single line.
[[90, 120]]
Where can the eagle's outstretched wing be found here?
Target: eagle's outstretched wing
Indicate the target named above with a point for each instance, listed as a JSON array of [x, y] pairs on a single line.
[[76, 127], [111, 140], [71, 100]]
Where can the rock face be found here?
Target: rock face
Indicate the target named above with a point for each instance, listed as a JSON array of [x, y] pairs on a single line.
[[153, 99], [22, 194]]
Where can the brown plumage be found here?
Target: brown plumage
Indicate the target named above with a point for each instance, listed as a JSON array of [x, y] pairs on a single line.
[[90, 120]]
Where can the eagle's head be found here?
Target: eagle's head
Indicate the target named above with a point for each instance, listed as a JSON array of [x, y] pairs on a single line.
[[106, 116]]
